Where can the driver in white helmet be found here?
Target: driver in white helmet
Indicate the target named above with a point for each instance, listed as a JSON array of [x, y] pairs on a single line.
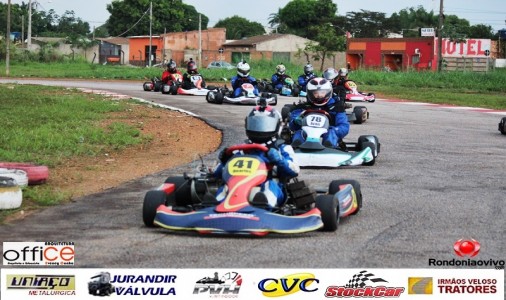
[[319, 97], [243, 70]]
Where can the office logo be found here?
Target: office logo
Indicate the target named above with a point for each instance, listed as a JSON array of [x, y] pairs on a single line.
[[420, 285], [38, 253]]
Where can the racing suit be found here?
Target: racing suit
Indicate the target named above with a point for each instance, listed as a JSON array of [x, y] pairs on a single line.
[[190, 79], [304, 79], [237, 81], [278, 81], [339, 126], [284, 167], [166, 76]]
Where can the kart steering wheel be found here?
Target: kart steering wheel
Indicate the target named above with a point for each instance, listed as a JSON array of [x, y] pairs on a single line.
[[318, 111], [246, 147]]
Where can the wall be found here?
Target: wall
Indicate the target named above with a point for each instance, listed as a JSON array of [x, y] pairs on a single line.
[[137, 49]]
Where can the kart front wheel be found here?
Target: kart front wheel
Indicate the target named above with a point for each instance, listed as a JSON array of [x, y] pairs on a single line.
[[329, 208], [218, 98], [152, 201], [335, 187], [275, 100], [373, 97], [182, 193], [502, 125], [360, 114]]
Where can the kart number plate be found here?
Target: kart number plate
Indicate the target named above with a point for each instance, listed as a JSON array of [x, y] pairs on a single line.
[[316, 120], [243, 166], [196, 79]]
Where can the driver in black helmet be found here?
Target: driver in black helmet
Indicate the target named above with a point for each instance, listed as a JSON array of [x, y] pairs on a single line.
[[192, 78], [262, 127]]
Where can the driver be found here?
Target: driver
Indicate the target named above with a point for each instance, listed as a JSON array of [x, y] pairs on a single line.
[[304, 78], [319, 97], [338, 79], [278, 78], [192, 78], [171, 69], [243, 76], [262, 127]]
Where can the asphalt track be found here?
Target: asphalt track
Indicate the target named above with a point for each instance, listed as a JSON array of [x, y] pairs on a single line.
[[440, 177]]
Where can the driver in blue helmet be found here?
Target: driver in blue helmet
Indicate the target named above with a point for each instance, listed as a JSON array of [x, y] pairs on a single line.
[[319, 96], [262, 125]]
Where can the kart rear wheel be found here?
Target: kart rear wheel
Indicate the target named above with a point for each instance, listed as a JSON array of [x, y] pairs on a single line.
[[329, 208], [165, 89], [182, 194], [173, 89], [502, 125], [335, 186], [147, 86], [374, 97], [152, 201], [360, 114], [275, 100], [285, 111], [218, 98]]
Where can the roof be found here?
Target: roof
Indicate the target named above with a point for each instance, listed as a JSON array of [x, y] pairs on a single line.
[[256, 39], [115, 40]]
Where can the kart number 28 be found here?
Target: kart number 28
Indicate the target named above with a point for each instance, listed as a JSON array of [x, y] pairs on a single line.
[[240, 166]]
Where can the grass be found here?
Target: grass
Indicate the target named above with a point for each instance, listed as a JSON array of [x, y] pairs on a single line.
[[45, 125]]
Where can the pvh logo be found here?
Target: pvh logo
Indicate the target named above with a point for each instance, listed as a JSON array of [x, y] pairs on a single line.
[[469, 248]]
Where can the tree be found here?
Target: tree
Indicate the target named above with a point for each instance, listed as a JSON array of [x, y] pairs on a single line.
[[481, 31], [131, 17], [299, 15], [238, 27], [366, 23], [326, 46], [409, 20]]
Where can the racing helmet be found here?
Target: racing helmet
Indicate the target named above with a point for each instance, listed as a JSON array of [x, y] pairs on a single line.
[[308, 69], [263, 124], [319, 91], [330, 74], [243, 69], [343, 72], [191, 67], [280, 69], [171, 66]]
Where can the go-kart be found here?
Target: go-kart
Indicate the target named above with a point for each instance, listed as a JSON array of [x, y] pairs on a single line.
[[502, 125], [187, 203], [289, 88], [154, 85], [353, 94], [358, 115], [224, 95], [174, 82], [312, 152], [198, 90]]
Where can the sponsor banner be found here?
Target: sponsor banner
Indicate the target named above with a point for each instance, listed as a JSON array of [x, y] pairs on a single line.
[[38, 253], [290, 284], [466, 48]]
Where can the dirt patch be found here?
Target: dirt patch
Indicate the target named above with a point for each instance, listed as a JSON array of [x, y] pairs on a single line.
[[176, 139]]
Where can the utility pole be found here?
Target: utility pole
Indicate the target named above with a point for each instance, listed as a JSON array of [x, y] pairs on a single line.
[[29, 38], [440, 38], [150, 30], [200, 41], [22, 31], [8, 42]]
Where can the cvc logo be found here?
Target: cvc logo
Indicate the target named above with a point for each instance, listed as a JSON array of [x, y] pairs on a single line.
[[469, 248], [286, 285]]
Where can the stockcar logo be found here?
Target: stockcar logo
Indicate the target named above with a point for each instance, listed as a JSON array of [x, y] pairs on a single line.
[[226, 286], [287, 285], [38, 253], [364, 285], [420, 285], [39, 285]]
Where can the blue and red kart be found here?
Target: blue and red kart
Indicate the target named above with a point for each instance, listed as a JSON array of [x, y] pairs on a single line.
[[184, 203]]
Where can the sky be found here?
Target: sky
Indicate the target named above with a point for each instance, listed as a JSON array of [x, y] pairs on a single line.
[[488, 12]]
